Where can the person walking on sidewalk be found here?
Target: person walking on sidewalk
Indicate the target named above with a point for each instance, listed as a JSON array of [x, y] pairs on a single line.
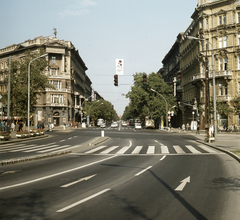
[[198, 129]]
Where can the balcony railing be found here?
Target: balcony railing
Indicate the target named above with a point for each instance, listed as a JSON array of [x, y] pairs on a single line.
[[222, 73], [225, 98]]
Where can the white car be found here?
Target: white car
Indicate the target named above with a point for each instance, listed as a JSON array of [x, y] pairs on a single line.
[[138, 126], [103, 125], [114, 125], [124, 124]]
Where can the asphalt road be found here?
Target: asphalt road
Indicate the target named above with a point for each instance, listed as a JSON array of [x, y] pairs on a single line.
[[134, 175]]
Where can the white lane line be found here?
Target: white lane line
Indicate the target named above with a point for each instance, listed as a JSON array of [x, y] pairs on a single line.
[[56, 148], [207, 149], [78, 181], [163, 157], [151, 150], [192, 149], [56, 174], [95, 149], [164, 149], [41, 148], [137, 149], [143, 171], [62, 140], [123, 150], [109, 150], [83, 200], [178, 149]]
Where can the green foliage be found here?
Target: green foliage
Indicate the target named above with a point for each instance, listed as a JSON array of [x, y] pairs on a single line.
[[236, 104], [19, 82], [100, 109], [145, 102]]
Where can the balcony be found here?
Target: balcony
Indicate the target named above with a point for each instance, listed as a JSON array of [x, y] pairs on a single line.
[[224, 98], [218, 74]]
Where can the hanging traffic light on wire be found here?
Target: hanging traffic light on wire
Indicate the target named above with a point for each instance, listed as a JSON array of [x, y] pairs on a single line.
[[144, 78], [115, 80]]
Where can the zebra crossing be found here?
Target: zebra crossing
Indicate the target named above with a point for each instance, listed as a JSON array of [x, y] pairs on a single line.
[[151, 150], [26, 148]]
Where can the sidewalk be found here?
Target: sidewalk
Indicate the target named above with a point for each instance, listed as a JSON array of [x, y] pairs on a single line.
[[226, 142]]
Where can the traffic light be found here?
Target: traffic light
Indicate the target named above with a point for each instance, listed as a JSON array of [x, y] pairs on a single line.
[[179, 77], [115, 80], [144, 78]]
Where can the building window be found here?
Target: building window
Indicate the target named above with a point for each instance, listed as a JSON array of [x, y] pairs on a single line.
[[53, 59], [226, 89], [220, 89], [220, 64], [56, 84], [54, 72], [207, 44], [225, 63], [224, 19], [225, 41], [202, 91], [220, 20], [239, 39], [220, 42], [238, 17], [206, 23], [239, 88], [56, 99], [238, 62], [202, 45]]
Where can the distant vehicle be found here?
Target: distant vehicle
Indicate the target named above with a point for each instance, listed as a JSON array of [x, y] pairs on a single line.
[[100, 121], [124, 124], [103, 125], [138, 126], [114, 125], [132, 122], [149, 123]]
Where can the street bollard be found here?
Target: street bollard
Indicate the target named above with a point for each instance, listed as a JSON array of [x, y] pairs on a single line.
[[102, 133]]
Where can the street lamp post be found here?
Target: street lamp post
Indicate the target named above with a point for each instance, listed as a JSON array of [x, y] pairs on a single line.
[[166, 106], [89, 111], [214, 86], [44, 55]]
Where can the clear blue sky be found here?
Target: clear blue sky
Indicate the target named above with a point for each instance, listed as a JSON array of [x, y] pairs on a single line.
[[139, 31]]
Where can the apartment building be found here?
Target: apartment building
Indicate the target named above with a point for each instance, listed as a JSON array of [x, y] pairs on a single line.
[[66, 72], [217, 24]]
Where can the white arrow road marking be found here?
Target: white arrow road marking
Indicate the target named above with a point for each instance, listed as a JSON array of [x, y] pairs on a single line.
[[82, 179], [183, 184]]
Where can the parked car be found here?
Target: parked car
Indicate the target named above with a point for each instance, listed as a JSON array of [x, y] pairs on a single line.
[[114, 125], [138, 126]]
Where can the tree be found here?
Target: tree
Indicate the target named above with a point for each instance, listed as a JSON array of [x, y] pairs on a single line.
[[144, 101], [19, 82], [100, 109], [235, 102]]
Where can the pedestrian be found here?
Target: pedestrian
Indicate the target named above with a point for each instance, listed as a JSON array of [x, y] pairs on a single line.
[[198, 129], [17, 127], [13, 127], [187, 126]]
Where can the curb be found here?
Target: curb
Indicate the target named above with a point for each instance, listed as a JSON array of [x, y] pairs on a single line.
[[236, 157], [32, 158]]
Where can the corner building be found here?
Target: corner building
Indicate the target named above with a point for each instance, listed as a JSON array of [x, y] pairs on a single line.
[[66, 72], [217, 23]]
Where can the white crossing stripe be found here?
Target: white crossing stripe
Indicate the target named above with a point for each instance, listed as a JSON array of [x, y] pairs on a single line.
[[95, 149], [56, 148], [178, 149], [123, 150], [192, 149], [164, 149], [109, 150], [209, 150], [151, 150], [41, 147], [137, 149], [24, 148]]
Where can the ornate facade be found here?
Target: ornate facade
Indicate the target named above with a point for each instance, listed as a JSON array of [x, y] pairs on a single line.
[[67, 73], [217, 24]]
